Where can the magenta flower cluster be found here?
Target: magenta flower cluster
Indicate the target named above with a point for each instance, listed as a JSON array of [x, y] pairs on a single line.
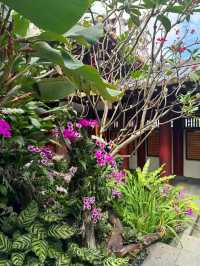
[[189, 212], [87, 123], [88, 204], [96, 215], [118, 176], [5, 129], [70, 132], [103, 158], [45, 153], [116, 193]]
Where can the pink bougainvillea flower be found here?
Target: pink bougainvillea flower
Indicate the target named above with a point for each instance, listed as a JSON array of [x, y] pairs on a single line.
[[5, 129], [88, 122], [189, 212], [88, 202], [109, 159], [116, 193], [44, 162], [96, 215], [34, 149], [84, 122], [181, 194], [100, 144], [99, 154], [101, 162], [46, 153], [71, 133], [78, 125], [93, 123], [119, 176]]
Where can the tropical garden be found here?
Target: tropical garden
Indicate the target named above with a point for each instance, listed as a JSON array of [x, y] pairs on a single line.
[[65, 198]]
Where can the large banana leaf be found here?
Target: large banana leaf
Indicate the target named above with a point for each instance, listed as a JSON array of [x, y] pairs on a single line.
[[56, 16], [85, 78]]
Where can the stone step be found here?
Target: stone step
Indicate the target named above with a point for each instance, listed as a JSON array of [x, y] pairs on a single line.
[[186, 254], [191, 244], [161, 254]]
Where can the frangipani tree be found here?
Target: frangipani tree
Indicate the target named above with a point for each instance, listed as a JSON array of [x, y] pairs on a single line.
[[143, 52]]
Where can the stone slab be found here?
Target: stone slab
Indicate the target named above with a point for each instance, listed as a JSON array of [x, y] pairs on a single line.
[[187, 258], [191, 244], [162, 255]]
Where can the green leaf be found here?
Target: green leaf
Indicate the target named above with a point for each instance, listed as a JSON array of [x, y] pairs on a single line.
[[63, 260], [137, 74], [135, 19], [50, 36], [45, 51], [84, 77], [3, 190], [55, 88], [27, 216], [38, 230], [5, 243], [90, 34], [113, 261], [61, 231], [176, 9], [22, 242], [166, 22], [20, 25], [40, 248], [56, 16], [35, 122], [18, 259], [51, 217], [149, 3], [11, 111], [88, 79], [153, 3], [5, 262]]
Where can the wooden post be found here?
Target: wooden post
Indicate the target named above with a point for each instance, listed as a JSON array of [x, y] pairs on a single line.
[[178, 153], [166, 147], [124, 153], [141, 155]]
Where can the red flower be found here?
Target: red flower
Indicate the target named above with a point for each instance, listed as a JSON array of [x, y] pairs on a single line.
[[161, 40], [194, 67], [181, 49]]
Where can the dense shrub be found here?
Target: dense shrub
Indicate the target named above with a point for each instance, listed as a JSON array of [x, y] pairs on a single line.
[[150, 204]]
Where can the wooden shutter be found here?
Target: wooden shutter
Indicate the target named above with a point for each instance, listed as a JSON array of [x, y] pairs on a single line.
[[153, 144], [193, 145]]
